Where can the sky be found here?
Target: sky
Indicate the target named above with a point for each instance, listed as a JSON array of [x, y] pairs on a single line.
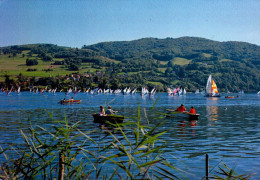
[[74, 23]]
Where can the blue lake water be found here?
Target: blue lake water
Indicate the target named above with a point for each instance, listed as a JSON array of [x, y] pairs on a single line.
[[227, 129]]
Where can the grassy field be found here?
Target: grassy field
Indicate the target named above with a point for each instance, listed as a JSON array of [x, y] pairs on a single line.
[[162, 70], [206, 55], [181, 61], [155, 83], [226, 60], [163, 62], [13, 66]]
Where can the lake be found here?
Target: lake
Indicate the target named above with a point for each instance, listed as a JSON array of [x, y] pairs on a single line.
[[227, 129]]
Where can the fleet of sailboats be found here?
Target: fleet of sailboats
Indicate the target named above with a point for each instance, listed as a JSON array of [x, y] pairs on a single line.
[[210, 91], [176, 91]]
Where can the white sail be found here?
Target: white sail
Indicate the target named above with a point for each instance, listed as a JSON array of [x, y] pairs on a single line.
[[169, 91], [184, 91], [144, 91], [134, 91], [241, 92], [180, 92], [128, 91], [19, 90], [106, 91], [197, 91], [208, 86], [153, 91], [258, 92]]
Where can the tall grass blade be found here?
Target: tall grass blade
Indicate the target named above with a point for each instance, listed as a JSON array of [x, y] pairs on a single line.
[[163, 174], [26, 140], [137, 133], [150, 163], [155, 102], [167, 172]]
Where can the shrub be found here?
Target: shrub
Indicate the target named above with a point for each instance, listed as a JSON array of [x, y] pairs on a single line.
[[31, 62], [29, 69]]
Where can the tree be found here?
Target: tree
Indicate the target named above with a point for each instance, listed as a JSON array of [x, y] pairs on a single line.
[[47, 58], [31, 62], [73, 67]]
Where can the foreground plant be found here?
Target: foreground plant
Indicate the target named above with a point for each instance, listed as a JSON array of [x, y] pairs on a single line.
[[226, 173], [45, 154], [130, 149], [140, 152]]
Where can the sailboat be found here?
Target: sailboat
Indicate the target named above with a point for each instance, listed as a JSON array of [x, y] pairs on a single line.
[[197, 91], [184, 91], [241, 92], [211, 88]]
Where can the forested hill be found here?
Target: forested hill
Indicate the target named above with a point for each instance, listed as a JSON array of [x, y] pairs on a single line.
[[182, 62], [186, 47]]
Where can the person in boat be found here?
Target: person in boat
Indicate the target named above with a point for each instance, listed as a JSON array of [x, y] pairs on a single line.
[[102, 111], [192, 110], [109, 111], [64, 100], [71, 99], [181, 108]]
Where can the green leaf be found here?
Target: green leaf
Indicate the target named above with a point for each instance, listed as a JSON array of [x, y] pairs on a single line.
[[155, 102], [149, 163], [153, 151], [87, 136], [167, 172]]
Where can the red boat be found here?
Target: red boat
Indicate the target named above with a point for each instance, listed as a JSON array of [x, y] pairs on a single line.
[[70, 101], [229, 97]]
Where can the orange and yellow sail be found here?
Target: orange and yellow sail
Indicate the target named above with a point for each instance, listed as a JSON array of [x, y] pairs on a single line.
[[214, 88]]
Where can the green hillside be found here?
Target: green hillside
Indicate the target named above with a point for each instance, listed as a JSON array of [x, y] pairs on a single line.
[[160, 63]]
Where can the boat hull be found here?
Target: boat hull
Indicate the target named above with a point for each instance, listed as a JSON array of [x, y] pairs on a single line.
[[109, 118], [211, 95], [177, 114], [229, 97], [70, 101]]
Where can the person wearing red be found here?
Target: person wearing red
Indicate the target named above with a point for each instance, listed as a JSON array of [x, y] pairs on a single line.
[[192, 110], [181, 108]]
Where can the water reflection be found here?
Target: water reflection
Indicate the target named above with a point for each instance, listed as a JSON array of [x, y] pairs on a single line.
[[187, 127], [212, 113], [212, 108], [181, 128], [193, 123]]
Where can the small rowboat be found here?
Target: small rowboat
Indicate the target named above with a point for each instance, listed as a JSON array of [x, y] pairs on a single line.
[[70, 101], [110, 118], [229, 97], [173, 113]]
